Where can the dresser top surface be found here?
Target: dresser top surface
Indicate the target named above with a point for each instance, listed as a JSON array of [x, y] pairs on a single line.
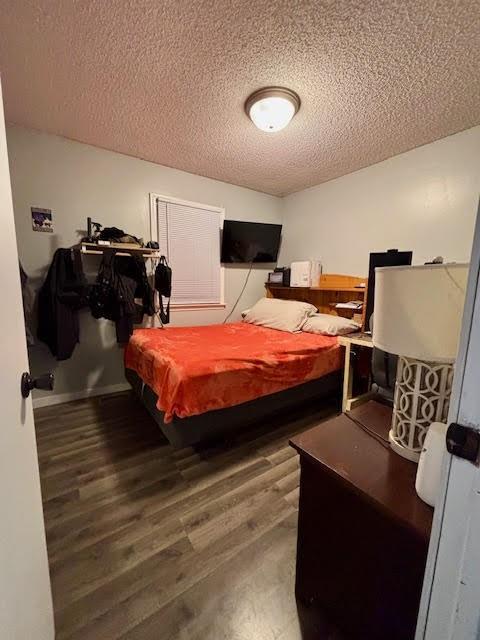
[[366, 464]]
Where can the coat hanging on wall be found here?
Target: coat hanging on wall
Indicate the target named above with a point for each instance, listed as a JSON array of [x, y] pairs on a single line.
[[61, 296], [120, 281]]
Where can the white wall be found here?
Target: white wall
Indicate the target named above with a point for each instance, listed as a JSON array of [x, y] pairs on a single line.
[[76, 181], [425, 200]]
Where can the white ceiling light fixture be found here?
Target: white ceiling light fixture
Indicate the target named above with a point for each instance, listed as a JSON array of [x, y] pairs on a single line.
[[271, 108]]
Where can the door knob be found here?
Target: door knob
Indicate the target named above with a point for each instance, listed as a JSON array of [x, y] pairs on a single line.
[[45, 382]]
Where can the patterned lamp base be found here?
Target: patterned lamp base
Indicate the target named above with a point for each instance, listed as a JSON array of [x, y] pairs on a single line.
[[422, 396]]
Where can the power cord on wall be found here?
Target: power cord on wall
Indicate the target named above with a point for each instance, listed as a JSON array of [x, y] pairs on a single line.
[[241, 293]]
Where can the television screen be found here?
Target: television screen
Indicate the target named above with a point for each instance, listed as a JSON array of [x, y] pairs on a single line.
[[390, 258], [250, 241]]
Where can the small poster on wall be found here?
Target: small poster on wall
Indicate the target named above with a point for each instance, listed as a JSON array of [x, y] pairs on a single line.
[[42, 220]]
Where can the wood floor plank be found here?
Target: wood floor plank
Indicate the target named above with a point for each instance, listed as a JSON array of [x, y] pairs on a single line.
[[130, 478], [141, 591], [290, 481], [261, 577], [282, 454], [157, 501], [64, 481], [148, 542], [124, 517], [66, 508], [87, 570], [84, 440], [204, 526], [104, 455], [293, 497], [123, 440]]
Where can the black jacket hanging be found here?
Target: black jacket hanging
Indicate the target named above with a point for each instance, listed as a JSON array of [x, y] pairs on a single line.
[[60, 297], [102, 297], [134, 267], [119, 281]]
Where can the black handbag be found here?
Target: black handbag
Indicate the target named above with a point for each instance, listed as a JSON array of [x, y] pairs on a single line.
[[163, 284]]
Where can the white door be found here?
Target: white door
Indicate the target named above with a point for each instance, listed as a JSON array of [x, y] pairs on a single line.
[[450, 607], [25, 597]]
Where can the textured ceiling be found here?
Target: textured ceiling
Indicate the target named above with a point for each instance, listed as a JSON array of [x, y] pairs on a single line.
[[166, 80]]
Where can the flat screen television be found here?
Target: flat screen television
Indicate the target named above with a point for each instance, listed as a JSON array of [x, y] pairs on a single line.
[[390, 258], [384, 365], [250, 241]]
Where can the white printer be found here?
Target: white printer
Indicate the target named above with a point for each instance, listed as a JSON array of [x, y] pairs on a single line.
[[305, 273]]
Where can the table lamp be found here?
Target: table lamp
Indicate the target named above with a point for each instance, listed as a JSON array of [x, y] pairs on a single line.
[[417, 316]]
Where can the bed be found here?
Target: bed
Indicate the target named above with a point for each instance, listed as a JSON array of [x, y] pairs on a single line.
[[202, 382], [199, 382]]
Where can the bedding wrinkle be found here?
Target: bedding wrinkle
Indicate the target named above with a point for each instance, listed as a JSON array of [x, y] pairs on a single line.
[[197, 369]]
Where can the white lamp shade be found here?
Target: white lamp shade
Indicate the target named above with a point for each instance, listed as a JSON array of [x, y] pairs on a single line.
[[418, 310]]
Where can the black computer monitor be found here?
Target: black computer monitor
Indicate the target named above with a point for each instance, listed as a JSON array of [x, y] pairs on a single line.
[[390, 258]]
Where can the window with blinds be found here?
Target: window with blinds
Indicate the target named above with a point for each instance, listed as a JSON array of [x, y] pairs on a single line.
[[189, 236]]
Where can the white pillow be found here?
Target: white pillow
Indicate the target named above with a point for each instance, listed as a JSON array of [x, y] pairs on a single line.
[[330, 325], [285, 315]]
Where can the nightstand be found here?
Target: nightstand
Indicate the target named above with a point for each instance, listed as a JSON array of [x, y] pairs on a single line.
[[363, 532], [362, 340]]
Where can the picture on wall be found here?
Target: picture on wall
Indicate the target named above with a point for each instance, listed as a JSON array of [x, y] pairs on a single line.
[[42, 220]]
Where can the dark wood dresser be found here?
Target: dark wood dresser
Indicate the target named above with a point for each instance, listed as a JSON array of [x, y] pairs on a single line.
[[362, 531]]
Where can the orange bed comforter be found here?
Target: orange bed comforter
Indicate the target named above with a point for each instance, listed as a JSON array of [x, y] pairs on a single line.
[[196, 369]]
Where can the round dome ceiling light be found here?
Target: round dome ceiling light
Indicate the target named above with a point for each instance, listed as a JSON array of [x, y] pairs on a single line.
[[271, 109]]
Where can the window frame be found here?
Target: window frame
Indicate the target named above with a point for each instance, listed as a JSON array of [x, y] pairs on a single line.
[[154, 236]]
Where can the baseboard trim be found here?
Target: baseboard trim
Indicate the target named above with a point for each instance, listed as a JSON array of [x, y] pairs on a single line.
[[48, 400]]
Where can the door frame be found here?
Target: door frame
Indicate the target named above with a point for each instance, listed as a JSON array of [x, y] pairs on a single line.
[[448, 607]]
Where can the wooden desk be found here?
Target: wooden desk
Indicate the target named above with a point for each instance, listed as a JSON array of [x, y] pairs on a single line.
[[362, 532], [360, 340]]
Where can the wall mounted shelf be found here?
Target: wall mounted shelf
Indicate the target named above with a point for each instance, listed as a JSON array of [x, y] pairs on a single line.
[[122, 249]]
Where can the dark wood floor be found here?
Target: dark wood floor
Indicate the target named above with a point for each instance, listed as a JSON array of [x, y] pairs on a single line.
[[146, 542]]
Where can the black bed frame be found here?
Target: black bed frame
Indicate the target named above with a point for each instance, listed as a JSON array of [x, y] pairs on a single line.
[[184, 432]]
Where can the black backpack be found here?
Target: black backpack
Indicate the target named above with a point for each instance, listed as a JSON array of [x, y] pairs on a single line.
[[163, 284]]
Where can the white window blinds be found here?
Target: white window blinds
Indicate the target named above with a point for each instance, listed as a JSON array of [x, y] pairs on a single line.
[[189, 236]]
